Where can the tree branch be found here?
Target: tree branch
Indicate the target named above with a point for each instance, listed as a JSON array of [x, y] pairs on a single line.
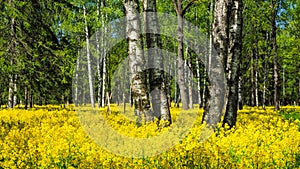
[[192, 2], [175, 6]]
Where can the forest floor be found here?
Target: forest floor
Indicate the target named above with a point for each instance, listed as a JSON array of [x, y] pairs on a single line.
[[55, 137]]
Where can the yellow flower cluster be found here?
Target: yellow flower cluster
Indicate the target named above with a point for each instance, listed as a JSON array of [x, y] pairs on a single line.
[[52, 137]]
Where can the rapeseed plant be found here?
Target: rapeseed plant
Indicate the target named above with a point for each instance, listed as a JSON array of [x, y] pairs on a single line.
[[52, 137]]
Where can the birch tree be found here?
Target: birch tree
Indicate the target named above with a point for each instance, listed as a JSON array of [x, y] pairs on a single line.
[[11, 85], [180, 11], [227, 31], [155, 60], [139, 87], [275, 4], [90, 76]]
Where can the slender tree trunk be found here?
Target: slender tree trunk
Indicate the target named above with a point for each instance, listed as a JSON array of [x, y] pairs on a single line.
[[181, 78], [275, 62], [15, 90], [168, 74], [252, 80], [283, 86], [12, 48], [198, 82], [175, 81], [99, 59], [240, 96], [76, 100], [30, 97], [209, 44], [256, 73], [139, 87], [26, 97], [190, 80], [104, 72], [91, 86]]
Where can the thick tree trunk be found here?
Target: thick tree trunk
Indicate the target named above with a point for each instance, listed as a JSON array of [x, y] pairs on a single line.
[[180, 65], [139, 88], [155, 60], [227, 31], [91, 86], [213, 105], [233, 61]]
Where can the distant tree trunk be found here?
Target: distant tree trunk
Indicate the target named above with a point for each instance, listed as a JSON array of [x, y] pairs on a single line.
[[139, 88], [240, 96], [91, 86], [76, 100], [275, 4], [26, 97], [190, 80], [99, 59], [176, 104], [30, 97], [198, 82], [256, 72], [264, 88], [155, 60], [104, 72], [252, 80], [12, 48], [181, 78], [168, 74]]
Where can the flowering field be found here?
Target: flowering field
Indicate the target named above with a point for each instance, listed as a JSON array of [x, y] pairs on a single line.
[[52, 137]]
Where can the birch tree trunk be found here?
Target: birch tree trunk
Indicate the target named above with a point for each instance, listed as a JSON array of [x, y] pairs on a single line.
[[227, 34], [240, 96], [91, 86], [180, 36], [180, 65], [252, 80], [233, 61], [213, 106], [155, 60], [198, 82], [12, 48], [99, 60], [139, 88], [256, 72], [275, 3], [104, 70], [190, 80]]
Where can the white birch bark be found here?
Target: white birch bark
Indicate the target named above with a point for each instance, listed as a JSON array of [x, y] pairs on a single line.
[[90, 77], [139, 87]]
